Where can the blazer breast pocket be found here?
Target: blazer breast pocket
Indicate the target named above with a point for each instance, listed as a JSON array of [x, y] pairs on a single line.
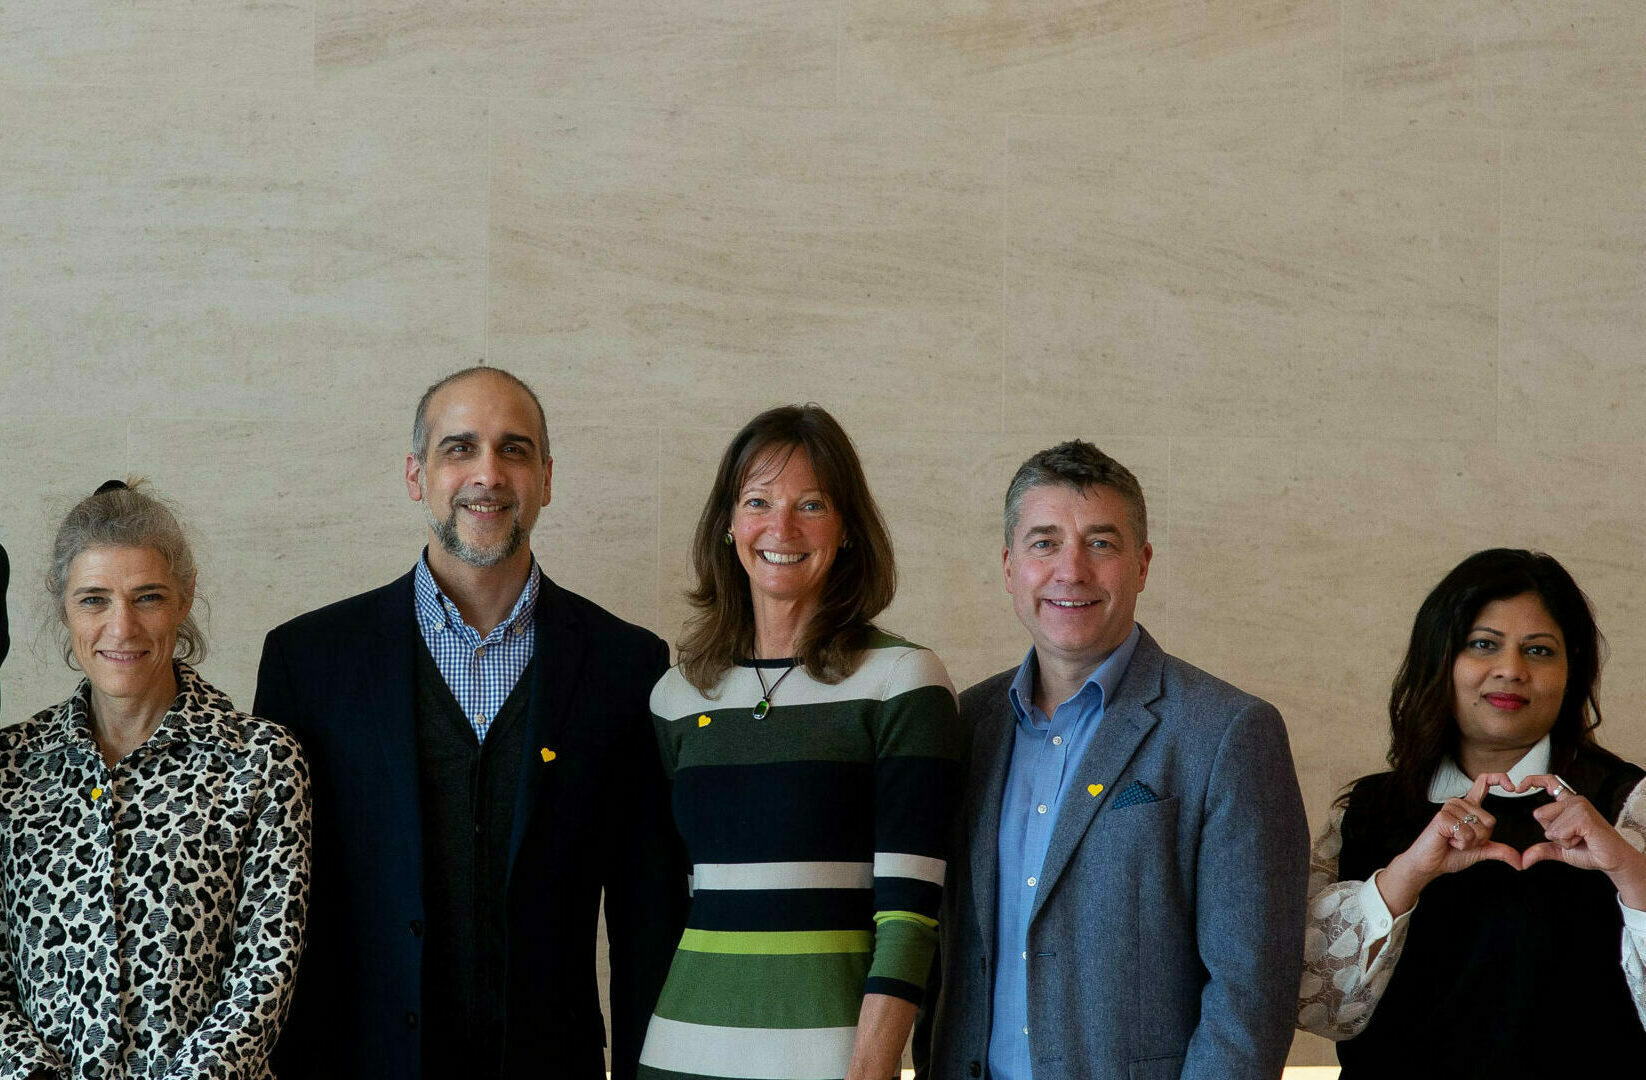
[[1143, 817]]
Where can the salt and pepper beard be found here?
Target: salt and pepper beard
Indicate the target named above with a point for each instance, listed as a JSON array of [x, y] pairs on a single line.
[[453, 544]]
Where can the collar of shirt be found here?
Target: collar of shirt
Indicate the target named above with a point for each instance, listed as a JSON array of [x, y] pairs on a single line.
[[188, 719], [1103, 680], [436, 612], [1451, 782]]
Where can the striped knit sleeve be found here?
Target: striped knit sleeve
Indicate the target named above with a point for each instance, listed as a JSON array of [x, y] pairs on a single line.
[[916, 786]]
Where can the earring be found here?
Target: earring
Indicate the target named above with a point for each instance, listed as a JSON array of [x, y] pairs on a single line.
[[726, 538], [846, 543]]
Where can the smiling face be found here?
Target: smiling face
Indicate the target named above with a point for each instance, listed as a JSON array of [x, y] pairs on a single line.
[[1508, 682], [1074, 569], [786, 530], [122, 609], [483, 479]]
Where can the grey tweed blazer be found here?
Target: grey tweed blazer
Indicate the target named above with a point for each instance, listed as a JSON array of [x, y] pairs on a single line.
[[1167, 935]]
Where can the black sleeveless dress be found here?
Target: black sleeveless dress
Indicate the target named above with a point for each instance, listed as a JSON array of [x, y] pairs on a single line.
[[1503, 970]]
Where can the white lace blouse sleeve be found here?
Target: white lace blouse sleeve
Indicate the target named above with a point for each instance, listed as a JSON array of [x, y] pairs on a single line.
[[1631, 825], [1350, 947]]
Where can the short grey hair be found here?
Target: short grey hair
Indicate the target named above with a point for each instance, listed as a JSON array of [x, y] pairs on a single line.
[[1078, 465], [123, 517], [420, 423]]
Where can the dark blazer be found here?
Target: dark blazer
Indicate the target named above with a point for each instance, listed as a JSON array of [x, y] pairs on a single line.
[[1167, 936], [594, 817]]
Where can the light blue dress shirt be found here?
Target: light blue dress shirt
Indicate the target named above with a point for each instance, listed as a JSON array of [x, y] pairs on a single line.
[[1046, 754], [480, 671]]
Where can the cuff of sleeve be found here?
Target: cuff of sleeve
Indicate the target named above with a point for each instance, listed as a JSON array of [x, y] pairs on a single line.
[[1633, 921], [1378, 920], [903, 947]]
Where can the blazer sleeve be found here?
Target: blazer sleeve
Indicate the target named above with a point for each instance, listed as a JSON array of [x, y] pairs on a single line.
[[646, 886], [298, 1047], [1251, 878]]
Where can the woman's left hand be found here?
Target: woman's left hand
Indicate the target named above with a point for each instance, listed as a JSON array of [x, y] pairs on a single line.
[[1579, 836]]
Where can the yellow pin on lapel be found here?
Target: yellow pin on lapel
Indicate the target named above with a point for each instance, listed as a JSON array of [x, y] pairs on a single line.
[[547, 754], [96, 793], [703, 720], [1095, 789]]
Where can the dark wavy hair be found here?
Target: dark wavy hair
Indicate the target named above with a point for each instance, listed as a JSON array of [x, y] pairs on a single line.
[[1422, 709], [861, 582]]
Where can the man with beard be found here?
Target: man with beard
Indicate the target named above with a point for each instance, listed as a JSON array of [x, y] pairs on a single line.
[[483, 768]]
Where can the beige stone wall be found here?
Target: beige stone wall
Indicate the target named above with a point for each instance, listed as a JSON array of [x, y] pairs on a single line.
[[1355, 286]]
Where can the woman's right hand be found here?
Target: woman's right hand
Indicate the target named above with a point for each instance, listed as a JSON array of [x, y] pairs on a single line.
[[1456, 838]]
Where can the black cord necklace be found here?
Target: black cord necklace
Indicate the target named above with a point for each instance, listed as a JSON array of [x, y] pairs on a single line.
[[764, 706]]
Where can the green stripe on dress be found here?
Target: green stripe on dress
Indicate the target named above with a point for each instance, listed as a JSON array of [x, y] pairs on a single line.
[[765, 991], [777, 942]]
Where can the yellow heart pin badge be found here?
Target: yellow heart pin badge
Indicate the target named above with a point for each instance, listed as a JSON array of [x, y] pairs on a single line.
[[703, 720], [547, 754], [1095, 789], [96, 793]]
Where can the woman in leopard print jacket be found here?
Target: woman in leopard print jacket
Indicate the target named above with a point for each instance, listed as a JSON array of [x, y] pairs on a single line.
[[154, 843]]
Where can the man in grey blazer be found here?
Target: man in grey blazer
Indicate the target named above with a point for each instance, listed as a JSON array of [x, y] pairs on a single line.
[[1126, 900]]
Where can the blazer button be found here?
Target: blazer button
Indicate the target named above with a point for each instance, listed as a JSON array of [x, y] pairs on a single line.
[[975, 1068], [417, 928], [411, 1020], [983, 964]]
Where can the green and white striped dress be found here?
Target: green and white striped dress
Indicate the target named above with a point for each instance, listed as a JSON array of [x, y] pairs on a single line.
[[817, 837]]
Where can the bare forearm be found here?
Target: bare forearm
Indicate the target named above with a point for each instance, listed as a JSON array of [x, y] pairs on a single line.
[[883, 1026]]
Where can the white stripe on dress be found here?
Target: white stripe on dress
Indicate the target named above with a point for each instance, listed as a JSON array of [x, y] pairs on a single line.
[[786, 875], [748, 1053], [919, 867]]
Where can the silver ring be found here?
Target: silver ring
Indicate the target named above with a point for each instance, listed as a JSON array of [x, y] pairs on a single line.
[[1469, 819], [1456, 825], [1560, 787]]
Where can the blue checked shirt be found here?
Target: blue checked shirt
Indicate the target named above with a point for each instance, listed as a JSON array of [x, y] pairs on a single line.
[[1046, 757], [481, 671]]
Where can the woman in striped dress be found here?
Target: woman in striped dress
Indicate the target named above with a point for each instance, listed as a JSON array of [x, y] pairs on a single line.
[[815, 763]]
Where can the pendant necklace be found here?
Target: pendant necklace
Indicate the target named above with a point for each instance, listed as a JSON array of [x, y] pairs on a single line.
[[765, 704]]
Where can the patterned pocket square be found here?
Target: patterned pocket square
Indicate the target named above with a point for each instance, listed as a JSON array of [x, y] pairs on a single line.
[[1139, 792]]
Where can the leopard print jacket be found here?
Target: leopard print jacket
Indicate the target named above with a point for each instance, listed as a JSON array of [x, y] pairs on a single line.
[[151, 913]]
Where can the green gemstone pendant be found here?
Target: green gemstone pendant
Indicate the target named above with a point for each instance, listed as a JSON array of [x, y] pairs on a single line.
[[762, 709]]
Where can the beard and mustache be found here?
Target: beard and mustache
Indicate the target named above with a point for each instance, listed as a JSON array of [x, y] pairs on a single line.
[[473, 554]]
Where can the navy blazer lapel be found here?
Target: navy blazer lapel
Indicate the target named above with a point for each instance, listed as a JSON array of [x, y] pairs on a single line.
[[559, 662], [387, 671], [992, 754], [1127, 721]]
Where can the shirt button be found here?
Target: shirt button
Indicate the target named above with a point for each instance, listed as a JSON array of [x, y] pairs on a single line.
[[1031, 882], [479, 651], [1041, 809], [519, 628], [1025, 1031], [481, 719], [1057, 740], [1025, 954]]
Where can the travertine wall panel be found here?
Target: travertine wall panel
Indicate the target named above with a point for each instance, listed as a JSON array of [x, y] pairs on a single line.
[[1355, 286], [1255, 279], [712, 262], [1154, 58], [230, 44], [1495, 63], [770, 52], [254, 255], [1574, 287]]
